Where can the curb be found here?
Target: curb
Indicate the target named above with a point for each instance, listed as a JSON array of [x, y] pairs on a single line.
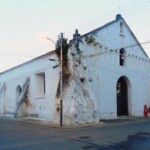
[[102, 123]]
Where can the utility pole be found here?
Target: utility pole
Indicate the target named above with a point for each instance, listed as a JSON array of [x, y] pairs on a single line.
[[61, 74], [61, 81]]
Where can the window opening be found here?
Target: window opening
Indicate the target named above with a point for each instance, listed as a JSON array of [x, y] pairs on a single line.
[[122, 57], [121, 29], [40, 87]]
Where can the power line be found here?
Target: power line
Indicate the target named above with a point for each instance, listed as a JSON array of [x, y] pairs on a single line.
[[118, 49], [47, 67], [14, 54], [101, 17], [135, 9], [108, 52], [140, 9], [127, 10], [21, 55], [138, 5], [106, 17], [134, 45], [24, 76]]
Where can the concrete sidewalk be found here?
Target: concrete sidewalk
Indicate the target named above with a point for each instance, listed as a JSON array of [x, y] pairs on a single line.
[[103, 122], [123, 119]]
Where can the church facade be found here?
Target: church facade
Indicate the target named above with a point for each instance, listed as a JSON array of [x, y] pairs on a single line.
[[107, 76], [118, 69]]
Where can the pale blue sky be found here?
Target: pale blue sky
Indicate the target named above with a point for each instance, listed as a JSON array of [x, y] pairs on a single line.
[[25, 22]]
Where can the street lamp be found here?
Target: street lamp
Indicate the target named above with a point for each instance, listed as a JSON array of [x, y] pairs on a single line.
[[47, 38], [61, 75]]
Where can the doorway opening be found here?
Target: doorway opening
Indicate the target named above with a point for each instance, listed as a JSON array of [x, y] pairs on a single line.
[[122, 97]]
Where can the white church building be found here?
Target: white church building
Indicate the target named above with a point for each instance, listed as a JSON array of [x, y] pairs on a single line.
[[107, 76]]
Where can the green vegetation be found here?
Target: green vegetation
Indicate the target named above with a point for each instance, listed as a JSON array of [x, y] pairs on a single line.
[[65, 47]]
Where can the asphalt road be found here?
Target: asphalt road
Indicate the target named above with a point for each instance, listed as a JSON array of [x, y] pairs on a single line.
[[132, 135]]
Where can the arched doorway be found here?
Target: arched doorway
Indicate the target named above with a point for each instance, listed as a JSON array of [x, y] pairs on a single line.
[[122, 97]]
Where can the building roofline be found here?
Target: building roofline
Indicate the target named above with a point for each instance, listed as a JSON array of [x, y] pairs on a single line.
[[138, 43], [46, 54], [118, 18], [100, 28]]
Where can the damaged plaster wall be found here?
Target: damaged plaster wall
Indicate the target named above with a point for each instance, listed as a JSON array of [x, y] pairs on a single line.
[[79, 103], [23, 102]]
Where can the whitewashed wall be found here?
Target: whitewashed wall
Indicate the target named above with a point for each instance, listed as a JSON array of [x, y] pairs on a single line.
[[42, 107], [104, 69]]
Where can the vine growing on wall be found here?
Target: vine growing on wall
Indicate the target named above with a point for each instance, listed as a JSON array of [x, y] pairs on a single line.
[[91, 40]]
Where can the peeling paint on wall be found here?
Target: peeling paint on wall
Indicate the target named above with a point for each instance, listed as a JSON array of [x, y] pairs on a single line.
[[23, 106]]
